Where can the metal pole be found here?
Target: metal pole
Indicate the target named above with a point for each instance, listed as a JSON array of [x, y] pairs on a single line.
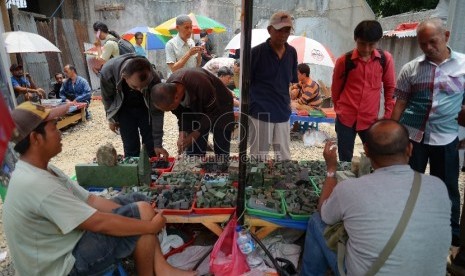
[[246, 38]]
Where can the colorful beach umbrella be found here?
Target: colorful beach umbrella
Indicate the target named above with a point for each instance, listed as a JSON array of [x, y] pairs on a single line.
[[153, 40], [199, 23]]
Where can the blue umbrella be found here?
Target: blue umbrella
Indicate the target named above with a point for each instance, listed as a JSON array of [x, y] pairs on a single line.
[[153, 39]]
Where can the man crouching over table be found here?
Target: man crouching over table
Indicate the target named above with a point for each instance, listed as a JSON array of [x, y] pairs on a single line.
[[55, 227]]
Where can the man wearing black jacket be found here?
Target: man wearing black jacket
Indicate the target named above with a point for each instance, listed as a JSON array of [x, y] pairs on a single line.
[[125, 83], [202, 103]]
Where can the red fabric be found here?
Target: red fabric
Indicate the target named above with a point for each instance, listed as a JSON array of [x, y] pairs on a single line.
[[358, 101], [6, 128]]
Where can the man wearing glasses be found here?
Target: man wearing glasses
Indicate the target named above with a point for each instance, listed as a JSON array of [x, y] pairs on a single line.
[[125, 83], [274, 67], [140, 51]]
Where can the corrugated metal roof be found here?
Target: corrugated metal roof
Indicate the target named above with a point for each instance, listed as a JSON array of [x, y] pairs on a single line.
[[408, 29]]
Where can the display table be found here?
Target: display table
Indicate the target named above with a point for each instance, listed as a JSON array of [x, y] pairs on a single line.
[[260, 226], [76, 112], [309, 119]]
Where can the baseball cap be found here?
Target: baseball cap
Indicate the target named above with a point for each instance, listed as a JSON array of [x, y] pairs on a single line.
[[280, 20], [28, 115], [15, 66]]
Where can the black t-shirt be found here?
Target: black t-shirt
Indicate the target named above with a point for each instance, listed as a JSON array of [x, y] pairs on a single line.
[[132, 98]]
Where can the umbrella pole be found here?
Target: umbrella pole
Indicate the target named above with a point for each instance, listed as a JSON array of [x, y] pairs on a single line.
[[246, 38]]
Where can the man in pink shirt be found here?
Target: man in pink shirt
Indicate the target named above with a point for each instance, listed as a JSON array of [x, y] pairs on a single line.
[[358, 78]]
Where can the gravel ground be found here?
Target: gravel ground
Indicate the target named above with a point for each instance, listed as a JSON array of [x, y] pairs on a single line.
[[81, 141]]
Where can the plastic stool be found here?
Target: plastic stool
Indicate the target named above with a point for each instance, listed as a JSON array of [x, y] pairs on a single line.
[[119, 271]]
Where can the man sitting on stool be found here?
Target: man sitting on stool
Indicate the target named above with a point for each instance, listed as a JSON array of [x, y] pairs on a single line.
[[75, 89], [24, 86]]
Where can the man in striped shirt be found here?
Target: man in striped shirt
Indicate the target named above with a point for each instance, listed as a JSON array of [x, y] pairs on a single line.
[[429, 95], [305, 95]]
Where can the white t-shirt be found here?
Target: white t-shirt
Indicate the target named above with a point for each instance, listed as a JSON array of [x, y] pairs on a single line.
[[40, 216]]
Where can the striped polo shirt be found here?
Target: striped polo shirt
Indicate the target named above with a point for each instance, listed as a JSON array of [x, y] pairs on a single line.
[[434, 95]]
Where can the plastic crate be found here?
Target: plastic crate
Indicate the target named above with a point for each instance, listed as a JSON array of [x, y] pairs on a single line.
[[315, 180], [171, 161], [252, 211], [295, 216], [213, 211]]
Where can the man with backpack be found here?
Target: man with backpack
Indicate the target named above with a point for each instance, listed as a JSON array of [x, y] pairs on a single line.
[[358, 78], [113, 45]]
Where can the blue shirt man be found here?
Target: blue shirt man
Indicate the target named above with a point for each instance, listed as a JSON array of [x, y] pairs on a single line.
[[23, 85], [274, 67], [75, 88]]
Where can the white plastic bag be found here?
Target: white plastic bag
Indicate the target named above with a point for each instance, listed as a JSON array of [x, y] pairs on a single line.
[[314, 138]]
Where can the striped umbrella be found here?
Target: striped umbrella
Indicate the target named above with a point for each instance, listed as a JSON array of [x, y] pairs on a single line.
[[311, 51], [199, 23], [153, 40]]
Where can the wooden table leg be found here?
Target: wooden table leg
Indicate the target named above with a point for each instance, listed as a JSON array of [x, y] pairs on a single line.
[[265, 231], [83, 114], [215, 228]]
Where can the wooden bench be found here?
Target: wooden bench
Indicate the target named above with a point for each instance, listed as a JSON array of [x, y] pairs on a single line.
[[76, 112]]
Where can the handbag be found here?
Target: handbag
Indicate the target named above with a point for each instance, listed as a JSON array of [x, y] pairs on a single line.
[[336, 235]]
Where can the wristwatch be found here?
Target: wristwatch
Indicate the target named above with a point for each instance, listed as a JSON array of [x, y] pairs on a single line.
[[331, 174]]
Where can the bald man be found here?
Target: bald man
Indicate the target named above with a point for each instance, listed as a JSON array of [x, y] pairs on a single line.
[[370, 208], [429, 96]]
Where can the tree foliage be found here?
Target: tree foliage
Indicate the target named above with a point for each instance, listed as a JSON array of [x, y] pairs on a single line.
[[383, 8]]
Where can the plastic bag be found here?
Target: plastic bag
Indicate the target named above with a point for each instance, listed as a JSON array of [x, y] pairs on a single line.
[[226, 259], [314, 138]]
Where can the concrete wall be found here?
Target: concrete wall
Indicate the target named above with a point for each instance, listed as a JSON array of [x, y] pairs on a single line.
[[330, 22]]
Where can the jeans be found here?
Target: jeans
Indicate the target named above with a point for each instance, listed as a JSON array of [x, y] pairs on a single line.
[[346, 140], [444, 164], [133, 120], [317, 257], [97, 254]]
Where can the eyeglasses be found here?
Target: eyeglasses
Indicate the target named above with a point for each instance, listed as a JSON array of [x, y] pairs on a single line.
[[139, 38]]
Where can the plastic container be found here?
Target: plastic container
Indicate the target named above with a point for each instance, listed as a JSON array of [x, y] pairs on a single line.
[[315, 180], [213, 211], [3, 191], [292, 215], [263, 213]]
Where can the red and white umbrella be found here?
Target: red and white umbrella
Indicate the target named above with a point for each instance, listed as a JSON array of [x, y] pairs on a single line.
[[258, 36], [308, 50], [311, 51]]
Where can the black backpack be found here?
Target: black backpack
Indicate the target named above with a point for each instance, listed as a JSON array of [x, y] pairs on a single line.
[[124, 46], [351, 65]]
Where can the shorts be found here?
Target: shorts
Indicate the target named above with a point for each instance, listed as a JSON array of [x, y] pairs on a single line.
[[97, 254]]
